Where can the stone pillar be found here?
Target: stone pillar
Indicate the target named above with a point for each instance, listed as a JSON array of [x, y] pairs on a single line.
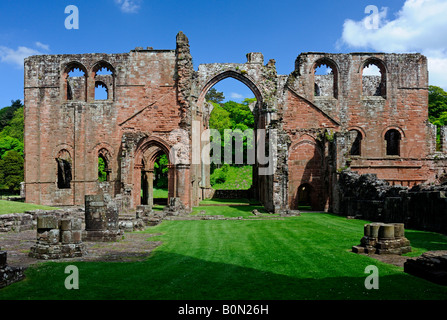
[[172, 186], [183, 186], [101, 219], [150, 187], [58, 238], [137, 172], [386, 232], [22, 190], [444, 139], [90, 87], [144, 188], [382, 238]]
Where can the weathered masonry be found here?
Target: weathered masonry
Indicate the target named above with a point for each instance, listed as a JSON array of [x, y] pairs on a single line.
[[155, 102]]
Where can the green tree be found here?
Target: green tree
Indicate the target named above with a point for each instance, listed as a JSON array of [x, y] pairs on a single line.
[[214, 96], [11, 171], [8, 143], [161, 172], [7, 113], [15, 126], [437, 102], [240, 114], [236, 117], [437, 110], [220, 119], [102, 173]]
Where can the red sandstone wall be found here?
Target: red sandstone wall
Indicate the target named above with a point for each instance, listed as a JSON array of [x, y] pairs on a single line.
[[144, 100], [404, 107]]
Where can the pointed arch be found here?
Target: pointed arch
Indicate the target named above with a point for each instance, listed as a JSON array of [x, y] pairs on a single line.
[[244, 78], [105, 80], [374, 85], [330, 80], [76, 88]]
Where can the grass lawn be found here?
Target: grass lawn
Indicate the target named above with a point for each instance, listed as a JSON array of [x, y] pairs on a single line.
[[19, 207], [306, 257], [244, 211], [160, 193], [237, 178], [228, 202]]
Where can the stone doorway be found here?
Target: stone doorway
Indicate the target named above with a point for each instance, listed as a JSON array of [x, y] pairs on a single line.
[[304, 197], [208, 109], [147, 174]]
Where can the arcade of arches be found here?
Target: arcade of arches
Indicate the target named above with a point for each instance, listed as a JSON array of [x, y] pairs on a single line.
[[314, 125]]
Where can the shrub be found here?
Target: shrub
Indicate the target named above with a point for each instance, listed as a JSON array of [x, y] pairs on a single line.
[[218, 176]]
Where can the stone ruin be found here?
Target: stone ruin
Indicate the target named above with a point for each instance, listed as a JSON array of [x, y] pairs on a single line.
[[383, 238], [58, 238], [176, 208], [431, 266], [9, 275], [365, 196], [145, 216], [101, 219], [16, 222], [322, 124]]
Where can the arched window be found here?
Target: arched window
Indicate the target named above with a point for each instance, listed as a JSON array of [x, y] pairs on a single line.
[[64, 175], [374, 78], [101, 91], [325, 78], [392, 138], [356, 142], [75, 84], [104, 76], [103, 165]]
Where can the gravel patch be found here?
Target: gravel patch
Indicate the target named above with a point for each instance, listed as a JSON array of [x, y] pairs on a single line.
[[134, 247]]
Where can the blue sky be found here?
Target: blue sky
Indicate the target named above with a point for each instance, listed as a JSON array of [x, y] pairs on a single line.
[[219, 31]]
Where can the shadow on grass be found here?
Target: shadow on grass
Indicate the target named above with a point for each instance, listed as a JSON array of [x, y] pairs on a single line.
[[230, 211], [171, 276], [422, 241], [230, 201]]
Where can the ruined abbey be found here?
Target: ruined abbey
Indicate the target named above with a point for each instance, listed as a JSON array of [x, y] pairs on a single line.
[[323, 124]]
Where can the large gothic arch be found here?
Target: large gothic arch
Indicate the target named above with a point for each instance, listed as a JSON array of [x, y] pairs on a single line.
[[254, 74]]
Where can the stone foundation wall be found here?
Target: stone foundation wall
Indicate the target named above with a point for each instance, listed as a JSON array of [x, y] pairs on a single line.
[[9, 275], [422, 207], [16, 222], [230, 194]]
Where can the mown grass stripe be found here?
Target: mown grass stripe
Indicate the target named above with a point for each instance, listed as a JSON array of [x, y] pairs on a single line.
[[304, 257]]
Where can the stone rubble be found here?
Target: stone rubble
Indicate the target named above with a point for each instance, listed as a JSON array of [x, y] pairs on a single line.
[[9, 275], [431, 266]]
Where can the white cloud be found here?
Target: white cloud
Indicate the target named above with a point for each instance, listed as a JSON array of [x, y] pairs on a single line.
[[16, 57], [235, 95], [419, 26], [438, 68], [371, 70], [42, 46], [128, 6]]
